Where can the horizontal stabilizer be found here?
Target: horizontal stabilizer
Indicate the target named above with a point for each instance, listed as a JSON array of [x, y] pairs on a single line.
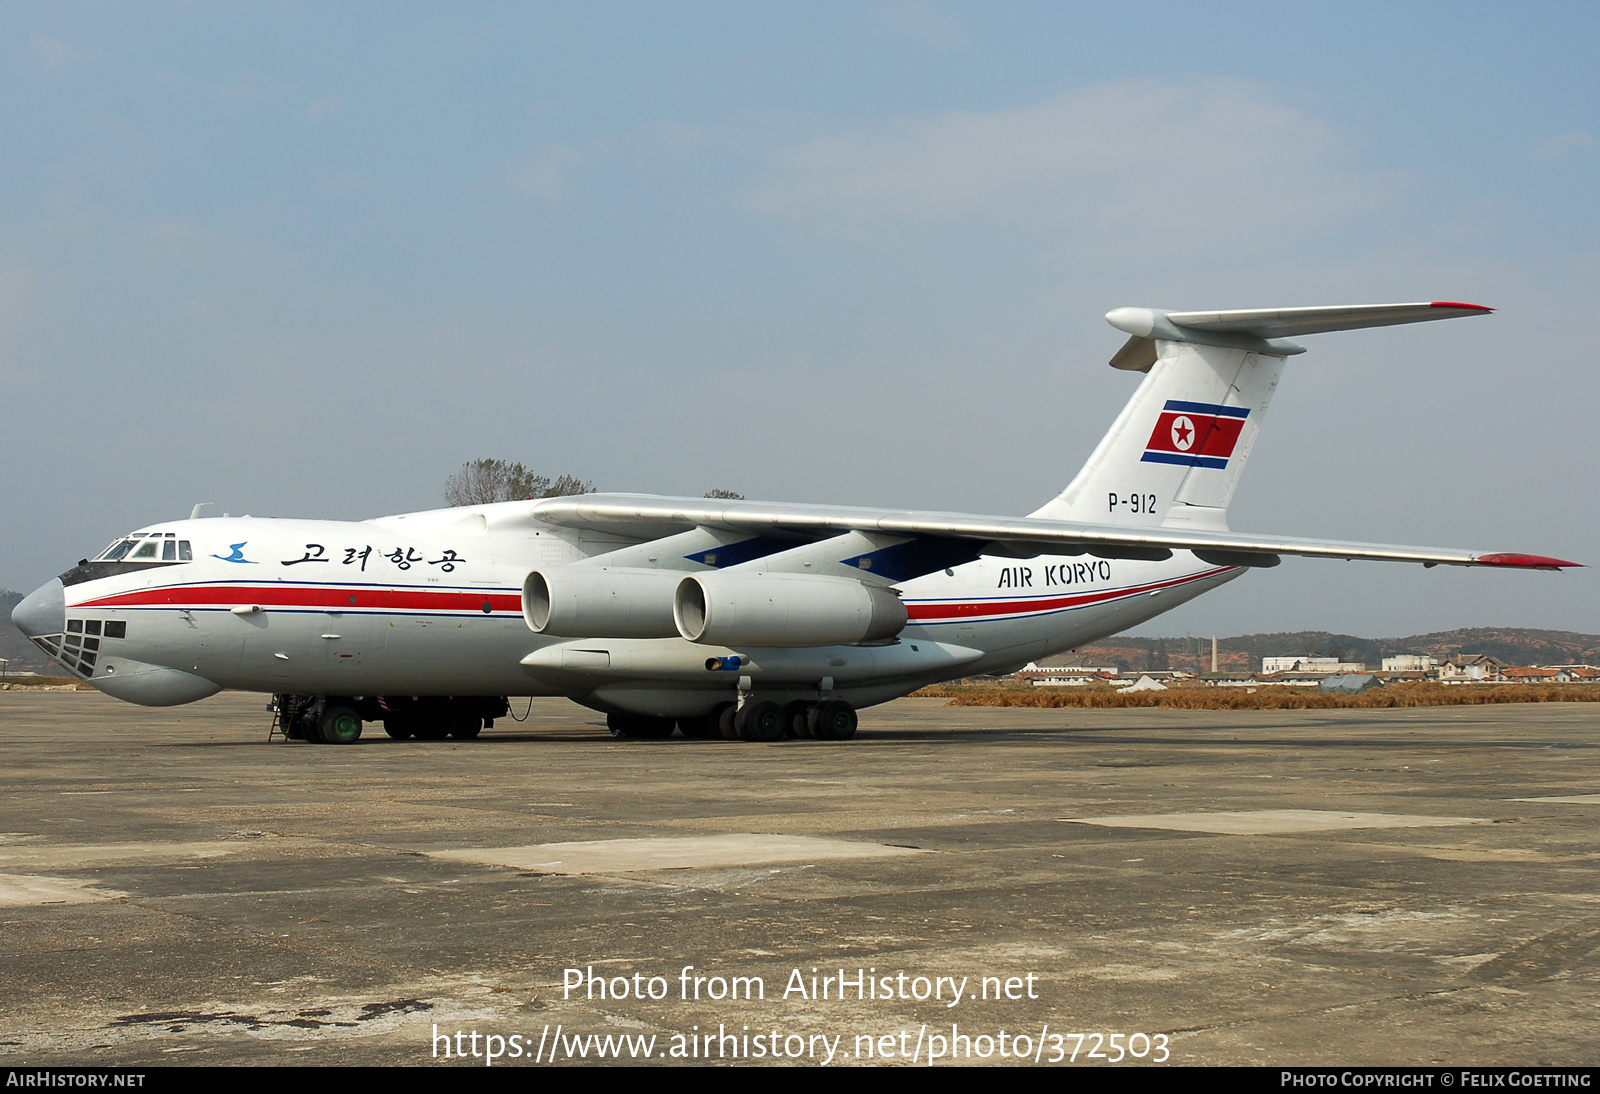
[[1291, 322], [1266, 330]]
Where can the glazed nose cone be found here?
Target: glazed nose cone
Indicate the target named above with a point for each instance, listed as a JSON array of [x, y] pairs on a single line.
[[43, 611]]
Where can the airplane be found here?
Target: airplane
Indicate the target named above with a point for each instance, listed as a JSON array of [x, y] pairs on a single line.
[[712, 617]]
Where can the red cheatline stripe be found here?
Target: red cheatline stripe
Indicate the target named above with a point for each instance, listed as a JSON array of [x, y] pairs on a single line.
[[1456, 304], [297, 596], [934, 610]]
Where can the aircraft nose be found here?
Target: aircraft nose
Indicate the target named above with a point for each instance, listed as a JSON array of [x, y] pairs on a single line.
[[43, 611]]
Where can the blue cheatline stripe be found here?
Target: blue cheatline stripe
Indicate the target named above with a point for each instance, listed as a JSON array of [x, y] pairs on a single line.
[[1185, 461], [1207, 408]]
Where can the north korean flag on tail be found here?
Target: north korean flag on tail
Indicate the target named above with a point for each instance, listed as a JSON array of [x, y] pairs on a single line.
[[1195, 434]]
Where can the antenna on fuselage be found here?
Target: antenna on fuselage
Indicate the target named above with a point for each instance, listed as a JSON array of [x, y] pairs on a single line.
[[194, 514]]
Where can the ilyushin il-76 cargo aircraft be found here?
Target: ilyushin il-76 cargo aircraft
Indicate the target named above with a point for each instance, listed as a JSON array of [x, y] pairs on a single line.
[[716, 618]]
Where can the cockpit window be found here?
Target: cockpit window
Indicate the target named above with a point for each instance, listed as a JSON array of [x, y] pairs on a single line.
[[148, 547]]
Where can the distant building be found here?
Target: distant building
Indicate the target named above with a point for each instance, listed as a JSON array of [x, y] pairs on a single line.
[[1409, 662], [1470, 668], [1310, 664], [1033, 668], [1530, 675]]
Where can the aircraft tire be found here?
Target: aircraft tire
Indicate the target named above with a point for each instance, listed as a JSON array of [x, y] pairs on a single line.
[[833, 721], [702, 728], [797, 720], [723, 717], [340, 726], [653, 729], [761, 722], [640, 726], [431, 727], [465, 727], [398, 728]]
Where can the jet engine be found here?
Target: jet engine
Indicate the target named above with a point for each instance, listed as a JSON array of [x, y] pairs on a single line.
[[778, 609], [603, 602]]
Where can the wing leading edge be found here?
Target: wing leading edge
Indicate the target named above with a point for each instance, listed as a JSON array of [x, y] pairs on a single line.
[[1007, 536]]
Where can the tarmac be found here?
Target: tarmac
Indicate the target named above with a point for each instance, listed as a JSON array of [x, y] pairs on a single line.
[[1337, 887]]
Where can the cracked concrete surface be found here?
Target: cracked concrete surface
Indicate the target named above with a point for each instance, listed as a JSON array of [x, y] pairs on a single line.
[[1315, 887]]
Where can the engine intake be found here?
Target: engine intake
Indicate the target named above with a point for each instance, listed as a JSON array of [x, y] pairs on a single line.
[[768, 609], [604, 602]]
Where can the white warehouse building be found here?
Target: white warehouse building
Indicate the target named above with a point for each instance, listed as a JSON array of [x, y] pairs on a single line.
[[1310, 664], [1409, 662]]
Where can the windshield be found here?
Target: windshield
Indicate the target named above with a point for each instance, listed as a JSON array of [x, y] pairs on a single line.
[[148, 547], [116, 551]]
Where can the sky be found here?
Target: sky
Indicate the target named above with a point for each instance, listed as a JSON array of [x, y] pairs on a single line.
[[308, 259]]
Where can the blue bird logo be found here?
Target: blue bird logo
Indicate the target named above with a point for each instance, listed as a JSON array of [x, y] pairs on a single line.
[[235, 555]]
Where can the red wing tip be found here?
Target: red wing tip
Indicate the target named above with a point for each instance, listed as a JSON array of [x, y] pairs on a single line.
[[1527, 562], [1458, 304]]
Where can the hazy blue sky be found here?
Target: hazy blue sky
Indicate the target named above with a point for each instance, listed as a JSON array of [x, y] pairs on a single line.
[[307, 259]]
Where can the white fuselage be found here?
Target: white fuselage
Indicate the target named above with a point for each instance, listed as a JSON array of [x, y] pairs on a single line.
[[430, 604]]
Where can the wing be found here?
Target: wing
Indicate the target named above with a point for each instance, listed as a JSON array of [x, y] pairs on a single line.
[[642, 517]]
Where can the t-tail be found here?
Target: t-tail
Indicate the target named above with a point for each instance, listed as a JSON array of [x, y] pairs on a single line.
[[1173, 457]]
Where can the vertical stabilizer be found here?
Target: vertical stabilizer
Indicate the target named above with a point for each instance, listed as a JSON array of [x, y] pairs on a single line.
[[1174, 454]]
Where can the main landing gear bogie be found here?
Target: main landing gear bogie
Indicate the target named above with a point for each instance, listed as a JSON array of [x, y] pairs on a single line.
[[328, 719], [640, 726], [756, 720]]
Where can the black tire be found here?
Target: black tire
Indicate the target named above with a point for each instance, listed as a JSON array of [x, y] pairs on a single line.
[[833, 721], [431, 727], [340, 726], [465, 727], [723, 716], [640, 727], [398, 728], [761, 722], [653, 729], [702, 728], [796, 720]]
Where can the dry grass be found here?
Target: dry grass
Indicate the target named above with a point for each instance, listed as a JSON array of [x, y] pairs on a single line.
[[29, 683], [1263, 698]]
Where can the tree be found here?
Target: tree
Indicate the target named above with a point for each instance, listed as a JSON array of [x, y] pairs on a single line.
[[481, 482], [719, 492], [1156, 658]]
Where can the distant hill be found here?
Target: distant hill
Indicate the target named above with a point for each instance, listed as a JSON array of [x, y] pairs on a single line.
[[1243, 652], [23, 655]]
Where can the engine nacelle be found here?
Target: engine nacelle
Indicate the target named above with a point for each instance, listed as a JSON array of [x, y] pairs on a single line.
[[603, 602], [775, 609]]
